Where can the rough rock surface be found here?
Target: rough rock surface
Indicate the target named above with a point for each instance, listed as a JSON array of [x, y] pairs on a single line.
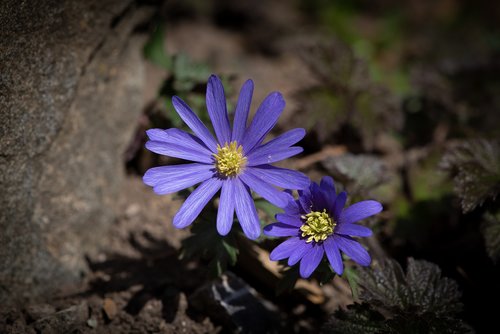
[[71, 79]]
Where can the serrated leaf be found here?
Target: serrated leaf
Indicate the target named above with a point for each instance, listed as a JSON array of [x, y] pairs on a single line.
[[363, 318], [420, 301], [421, 290], [321, 111], [360, 172], [356, 319], [346, 96], [491, 233], [475, 165], [154, 50]]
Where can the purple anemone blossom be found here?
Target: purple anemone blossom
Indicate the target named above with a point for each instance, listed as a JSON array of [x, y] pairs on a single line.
[[318, 223], [235, 161]]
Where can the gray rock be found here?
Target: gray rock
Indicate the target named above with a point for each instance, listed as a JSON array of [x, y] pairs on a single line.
[[231, 302], [71, 80], [63, 321]]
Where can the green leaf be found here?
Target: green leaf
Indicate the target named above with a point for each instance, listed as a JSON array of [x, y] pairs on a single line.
[[352, 277], [188, 74], [154, 50], [491, 233], [421, 290], [475, 165], [269, 209], [206, 243]]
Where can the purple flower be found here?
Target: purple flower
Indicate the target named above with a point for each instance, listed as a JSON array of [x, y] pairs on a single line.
[[317, 224], [235, 161]]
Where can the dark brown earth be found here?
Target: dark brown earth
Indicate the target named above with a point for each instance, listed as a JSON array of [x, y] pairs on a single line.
[[139, 284]]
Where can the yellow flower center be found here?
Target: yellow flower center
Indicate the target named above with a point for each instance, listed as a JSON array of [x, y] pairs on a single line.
[[317, 226], [229, 160]]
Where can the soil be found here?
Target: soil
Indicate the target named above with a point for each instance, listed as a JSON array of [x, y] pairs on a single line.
[[140, 285]]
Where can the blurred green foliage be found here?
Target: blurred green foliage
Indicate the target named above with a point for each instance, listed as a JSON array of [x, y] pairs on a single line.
[[345, 97], [184, 78]]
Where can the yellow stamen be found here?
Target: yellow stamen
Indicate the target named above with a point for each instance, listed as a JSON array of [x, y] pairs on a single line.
[[229, 160], [317, 226]]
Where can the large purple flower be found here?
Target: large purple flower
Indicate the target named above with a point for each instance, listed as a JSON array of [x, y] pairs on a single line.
[[317, 224], [236, 160]]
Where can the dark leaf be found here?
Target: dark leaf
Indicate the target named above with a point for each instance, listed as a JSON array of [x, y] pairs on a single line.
[[290, 277], [475, 165], [420, 301], [421, 290], [206, 243], [363, 318], [356, 319], [491, 233], [425, 323]]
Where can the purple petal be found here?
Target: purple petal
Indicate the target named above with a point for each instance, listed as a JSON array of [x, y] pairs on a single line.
[[353, 249], [278, 144], [273, 156], [353, 230], [195, 202], [333, 255], [299, 252], [284, 249], [242, 110], [339, 205], [318, 198], [225, 213], [264, 120], [328, 188], [328, 185], [292, 207], [281, 177], [264, 189], [280, 230], [311, 260], [245, 210], [216, 106], [305, 200], [194, 123], [293, 220], [169, 179], [179, 137], [358, 211], [178, 151]]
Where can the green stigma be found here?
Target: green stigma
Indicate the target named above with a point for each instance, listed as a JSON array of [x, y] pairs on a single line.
[[317, 226], [229, 160]]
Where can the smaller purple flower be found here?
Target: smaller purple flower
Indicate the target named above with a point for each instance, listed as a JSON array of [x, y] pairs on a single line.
[[318, 223]]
